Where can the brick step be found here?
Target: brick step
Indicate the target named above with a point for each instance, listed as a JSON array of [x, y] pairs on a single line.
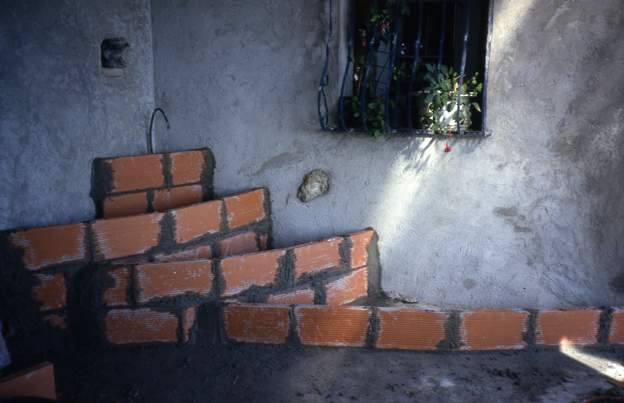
[[335, 271], [407, 328], [43, 269], [124, 186]]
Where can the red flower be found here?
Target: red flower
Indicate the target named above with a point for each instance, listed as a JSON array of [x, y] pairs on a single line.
[[447, 148]]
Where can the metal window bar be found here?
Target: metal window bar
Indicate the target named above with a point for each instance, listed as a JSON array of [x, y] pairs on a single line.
[[462, 67], [417, 47], [350, 31], [373, 51], [442, 34]]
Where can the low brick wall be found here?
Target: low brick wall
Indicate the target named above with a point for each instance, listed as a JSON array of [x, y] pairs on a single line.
[[407, 328], [124, 186], [174, 288], [46, 271]]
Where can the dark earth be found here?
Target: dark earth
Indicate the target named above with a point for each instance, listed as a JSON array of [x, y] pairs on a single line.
[[217, 372]]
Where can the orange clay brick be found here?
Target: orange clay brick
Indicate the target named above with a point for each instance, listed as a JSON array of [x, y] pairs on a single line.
[[198, 220], [257, 323], [579, 326], [410, 329], [245, 208], [493, 329], [51, 245], [242, 272], [166, 199], [126, 236], [359, 250], [125, 205], [186, 166], [161, 280], [137, 173], [238, 245], [126, 326], [347, 288], [332, 326], [317, 256]]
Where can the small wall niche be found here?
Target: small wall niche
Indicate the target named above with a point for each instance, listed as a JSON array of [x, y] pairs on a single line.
[[112, 56]]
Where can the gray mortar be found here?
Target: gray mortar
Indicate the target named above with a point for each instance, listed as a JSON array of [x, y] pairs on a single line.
[[530, 334], [207, 176], [372, 332], [166, 169], [452, 330], [293, 335], [374, 268], [166, 239], [604, 326]]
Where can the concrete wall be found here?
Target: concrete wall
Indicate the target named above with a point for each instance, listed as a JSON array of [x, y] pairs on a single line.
[[58, 111], [531, 217]]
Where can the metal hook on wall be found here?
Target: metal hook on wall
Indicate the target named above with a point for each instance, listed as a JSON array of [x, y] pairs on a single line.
[[150, 138]]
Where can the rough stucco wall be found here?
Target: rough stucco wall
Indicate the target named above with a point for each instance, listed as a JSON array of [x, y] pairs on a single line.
[[58, 111], [531, 217]]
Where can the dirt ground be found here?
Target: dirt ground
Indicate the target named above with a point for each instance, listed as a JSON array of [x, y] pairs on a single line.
[[215, 372]]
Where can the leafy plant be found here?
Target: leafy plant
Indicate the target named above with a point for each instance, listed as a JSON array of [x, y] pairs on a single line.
[[441, 93]]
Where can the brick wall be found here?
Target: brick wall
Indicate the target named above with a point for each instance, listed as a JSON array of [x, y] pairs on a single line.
[[46, 270], [408, 328], [267, 276], [124, 186]]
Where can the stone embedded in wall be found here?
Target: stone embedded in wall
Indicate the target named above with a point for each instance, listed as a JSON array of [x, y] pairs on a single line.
[[315, 184]]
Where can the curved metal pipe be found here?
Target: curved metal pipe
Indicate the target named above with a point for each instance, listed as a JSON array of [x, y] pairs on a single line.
[[150, 138]]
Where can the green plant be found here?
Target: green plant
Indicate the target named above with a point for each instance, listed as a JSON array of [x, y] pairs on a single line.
[[441, 93], [375, 114]]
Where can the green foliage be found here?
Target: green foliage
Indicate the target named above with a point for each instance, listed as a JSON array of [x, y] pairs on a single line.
[[441, 93]]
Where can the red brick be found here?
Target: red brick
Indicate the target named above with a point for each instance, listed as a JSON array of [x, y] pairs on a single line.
[[137, 173], [34, 382], [189, 317], [161, 280], [195, 221], [359, 250], [50, 291], [126, 326], [238, 244], [187, 167], [493, 329], [117, 294], [297, 297], [126, 236], [125, 205], [245, 208], [616, 333], [242, 272], [56, 320], [332, 326], [166, 199], [200, 252], [257, 323], [410, 329], [579, 326], [347, 288], [317, 256], [50, 245]]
